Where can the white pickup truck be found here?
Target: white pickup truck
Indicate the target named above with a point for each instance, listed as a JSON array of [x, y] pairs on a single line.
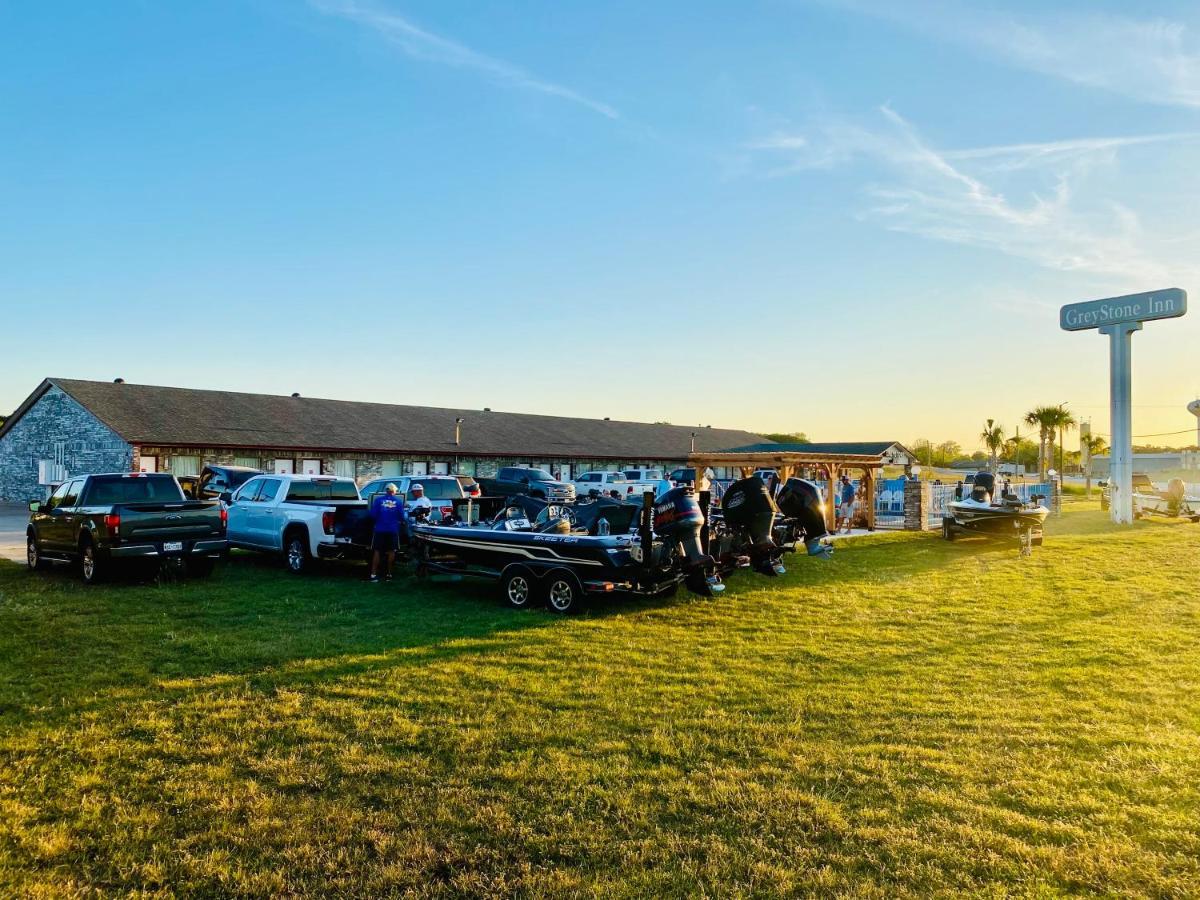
[[301, 517], [606, 482]]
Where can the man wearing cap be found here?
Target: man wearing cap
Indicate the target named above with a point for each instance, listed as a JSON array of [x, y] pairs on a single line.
[[418, 499], [387, 512]]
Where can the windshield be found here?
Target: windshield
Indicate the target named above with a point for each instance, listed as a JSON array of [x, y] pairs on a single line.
[[538, 475], [322, 490], [109, 490]]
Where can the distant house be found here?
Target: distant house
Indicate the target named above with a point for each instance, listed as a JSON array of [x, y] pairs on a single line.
[[69, 427], [1152, 462]]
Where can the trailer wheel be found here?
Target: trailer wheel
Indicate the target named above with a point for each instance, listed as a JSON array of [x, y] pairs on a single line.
[[516, 587], [562, 592], [948, 531]]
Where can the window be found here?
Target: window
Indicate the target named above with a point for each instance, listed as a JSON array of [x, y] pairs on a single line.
[[390, 468], [343, 468], [185, 465], [56, 499], [538, 475], [109, 490], [270, 487], [72, 497], [440, 469], [439, 489], [465, 467], [249, 462], [248, 491], [322, 490]]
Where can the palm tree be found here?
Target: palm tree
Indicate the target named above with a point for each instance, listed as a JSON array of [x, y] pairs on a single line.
[[1093, 444], [1061, 422], [993, 438], [1046, 420]]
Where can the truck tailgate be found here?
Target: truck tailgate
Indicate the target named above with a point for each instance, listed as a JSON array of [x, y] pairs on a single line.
[[168, 521]]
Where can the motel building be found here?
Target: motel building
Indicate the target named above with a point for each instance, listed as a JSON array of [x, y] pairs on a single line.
[[68, 427]]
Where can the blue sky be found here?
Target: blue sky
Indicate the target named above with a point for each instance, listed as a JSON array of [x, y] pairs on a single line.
[[856, 219]]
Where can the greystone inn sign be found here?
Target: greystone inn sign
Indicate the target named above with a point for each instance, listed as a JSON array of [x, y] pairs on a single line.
[[1169, 303]]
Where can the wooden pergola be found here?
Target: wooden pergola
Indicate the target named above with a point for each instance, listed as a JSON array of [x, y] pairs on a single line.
[[789, 463]]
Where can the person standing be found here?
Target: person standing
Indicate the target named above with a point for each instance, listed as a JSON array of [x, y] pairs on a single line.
[[418, 500], [846, 509], [387, 513]]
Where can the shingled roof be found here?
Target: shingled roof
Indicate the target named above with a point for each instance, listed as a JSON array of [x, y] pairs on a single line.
[[183, 417]]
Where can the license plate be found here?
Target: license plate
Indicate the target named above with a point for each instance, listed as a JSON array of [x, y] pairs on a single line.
[[172, 546]]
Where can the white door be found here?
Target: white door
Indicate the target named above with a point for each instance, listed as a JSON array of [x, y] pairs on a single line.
[[564, 472], [441, 468], [310, 467], [148, 464], [285, 467], [420, 468]]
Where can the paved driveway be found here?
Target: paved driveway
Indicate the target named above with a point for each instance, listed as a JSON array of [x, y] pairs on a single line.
[[13, 518]]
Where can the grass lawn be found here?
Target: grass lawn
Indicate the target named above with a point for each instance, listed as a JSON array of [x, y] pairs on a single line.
[[909, 718]]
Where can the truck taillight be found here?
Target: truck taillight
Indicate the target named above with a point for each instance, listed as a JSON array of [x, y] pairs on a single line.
[[327, 521], [112, 522], [224, 517], [447, 510]]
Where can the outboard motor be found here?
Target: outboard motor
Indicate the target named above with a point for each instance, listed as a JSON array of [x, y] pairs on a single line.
[[678, 518], [801, 500], [1176, 494], [984, 487], [748, 507]]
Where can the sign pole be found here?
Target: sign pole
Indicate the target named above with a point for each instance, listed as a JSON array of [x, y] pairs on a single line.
[[1119, 318], [1120, 401]]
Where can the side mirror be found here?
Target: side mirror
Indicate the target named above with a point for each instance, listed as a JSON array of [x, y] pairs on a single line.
[[226, 496], [35, 505], [524, 479]]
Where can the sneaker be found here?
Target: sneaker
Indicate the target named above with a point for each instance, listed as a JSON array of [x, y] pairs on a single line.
[[387, 577], [373, 579]]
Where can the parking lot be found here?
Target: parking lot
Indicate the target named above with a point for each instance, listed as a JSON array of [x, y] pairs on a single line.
[[13, 517]]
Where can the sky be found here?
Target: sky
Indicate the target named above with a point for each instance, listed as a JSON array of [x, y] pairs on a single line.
[[848, 218]]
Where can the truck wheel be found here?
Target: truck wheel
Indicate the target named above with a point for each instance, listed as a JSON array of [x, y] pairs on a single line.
[[33, 556], [90, 567], [516, 588], [562, 592], [295, 553], [948, 531]]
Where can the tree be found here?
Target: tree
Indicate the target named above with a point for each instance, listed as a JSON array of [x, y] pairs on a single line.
[[788, 437], [993, 438], [1064, 421], [922, 449], [948, 452], [1093, 444], [1046, 420]]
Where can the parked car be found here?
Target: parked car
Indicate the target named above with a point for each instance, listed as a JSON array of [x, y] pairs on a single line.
[[648, 480], [513, 480], [442, 491], [100, 521], [595, 483], [217, 480], [301, 517]]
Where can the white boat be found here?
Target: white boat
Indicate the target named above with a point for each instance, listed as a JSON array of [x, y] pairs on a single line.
[[1006, 516]]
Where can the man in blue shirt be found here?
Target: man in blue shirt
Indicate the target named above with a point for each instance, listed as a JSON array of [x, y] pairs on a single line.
[[387, 512], [846, 509]]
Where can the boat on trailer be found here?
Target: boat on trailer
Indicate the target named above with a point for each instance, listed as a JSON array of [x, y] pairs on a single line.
[[1007, 516]]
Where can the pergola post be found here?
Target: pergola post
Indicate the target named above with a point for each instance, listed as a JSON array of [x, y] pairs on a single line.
[[868, 480], [831, 508]]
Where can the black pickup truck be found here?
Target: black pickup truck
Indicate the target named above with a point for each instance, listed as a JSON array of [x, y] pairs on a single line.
[[513, 481], [100, 521]]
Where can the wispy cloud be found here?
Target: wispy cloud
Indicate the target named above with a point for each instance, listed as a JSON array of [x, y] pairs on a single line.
[[957, 196], [1154, 59], [423, 45]]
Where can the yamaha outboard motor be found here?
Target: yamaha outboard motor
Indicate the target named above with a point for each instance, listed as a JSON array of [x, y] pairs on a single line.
[[678, 518], [984, 487], [748, 507], [801, 500]]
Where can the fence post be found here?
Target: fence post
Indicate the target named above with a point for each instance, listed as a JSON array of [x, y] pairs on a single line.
[[918, 497], [1056, 495]]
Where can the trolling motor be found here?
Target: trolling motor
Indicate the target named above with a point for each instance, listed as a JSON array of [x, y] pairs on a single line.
[[748, 507], [800, 500], [678, 519]]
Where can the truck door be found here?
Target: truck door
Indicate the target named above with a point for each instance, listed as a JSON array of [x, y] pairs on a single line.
[[265, 524], [238, 525], [50, 529]]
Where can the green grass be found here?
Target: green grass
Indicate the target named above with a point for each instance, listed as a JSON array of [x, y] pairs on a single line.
[[913, 717]]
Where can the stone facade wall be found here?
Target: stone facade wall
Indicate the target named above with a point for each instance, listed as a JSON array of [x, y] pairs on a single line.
[[56, 427], [918, 498], [370, 465]]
